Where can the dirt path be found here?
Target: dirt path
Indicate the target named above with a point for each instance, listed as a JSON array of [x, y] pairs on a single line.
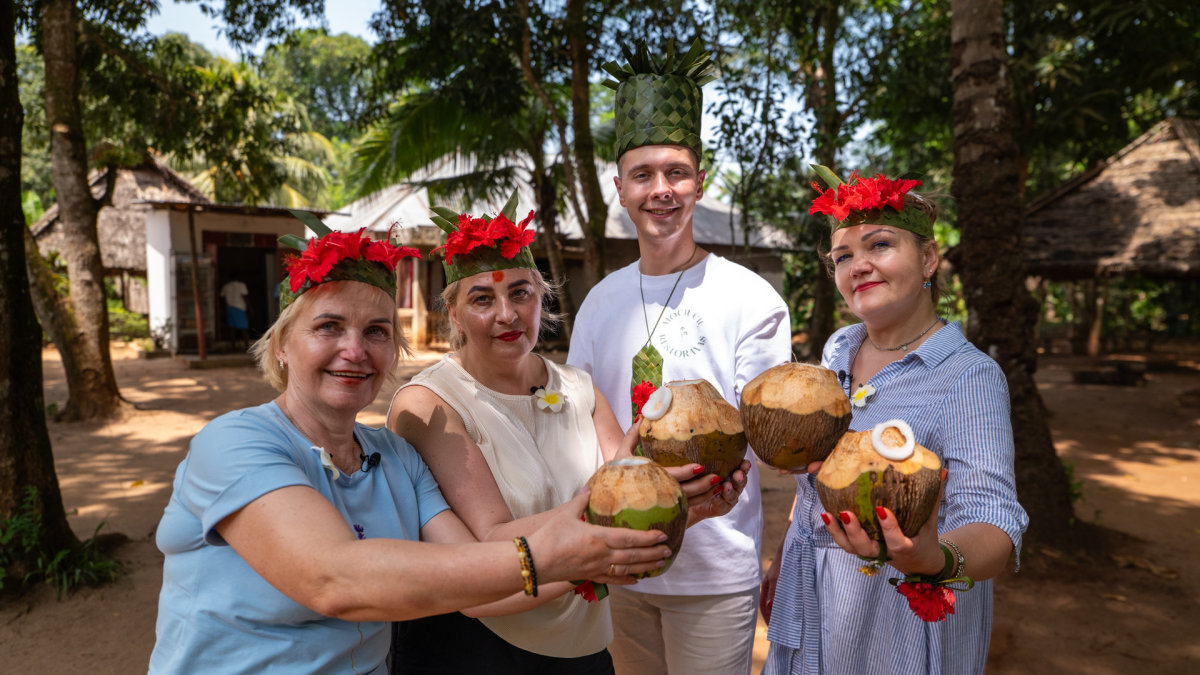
[[1136, 452]]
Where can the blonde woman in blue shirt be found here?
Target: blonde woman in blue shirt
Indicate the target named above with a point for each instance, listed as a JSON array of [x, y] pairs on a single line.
[[902, 361]]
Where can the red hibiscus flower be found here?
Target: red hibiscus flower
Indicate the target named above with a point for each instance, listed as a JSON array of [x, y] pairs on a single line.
[[640, 394], [930, 602], [389, 255], [591, 591]]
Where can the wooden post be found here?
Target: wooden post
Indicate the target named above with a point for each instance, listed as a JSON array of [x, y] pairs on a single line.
[[1098, 296], [196, 283]]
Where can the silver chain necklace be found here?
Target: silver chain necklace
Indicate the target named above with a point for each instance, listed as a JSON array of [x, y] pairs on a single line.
[[904, 345]]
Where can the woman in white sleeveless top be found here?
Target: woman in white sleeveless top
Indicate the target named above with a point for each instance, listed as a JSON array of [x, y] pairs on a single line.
[[509, 435]]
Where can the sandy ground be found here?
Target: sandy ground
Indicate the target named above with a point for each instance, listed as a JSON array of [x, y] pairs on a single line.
[[1135, 451]]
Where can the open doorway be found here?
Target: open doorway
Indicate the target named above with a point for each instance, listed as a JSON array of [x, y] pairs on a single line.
[[256, 268]]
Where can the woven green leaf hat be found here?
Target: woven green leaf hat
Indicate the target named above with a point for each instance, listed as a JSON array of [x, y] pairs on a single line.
[[659, 101], [483, 244]]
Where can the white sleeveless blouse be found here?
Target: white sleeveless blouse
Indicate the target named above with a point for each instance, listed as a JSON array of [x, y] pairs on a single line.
[[540, 459]]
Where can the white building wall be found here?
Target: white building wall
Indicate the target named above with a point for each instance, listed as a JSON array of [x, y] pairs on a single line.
[[160, 273]]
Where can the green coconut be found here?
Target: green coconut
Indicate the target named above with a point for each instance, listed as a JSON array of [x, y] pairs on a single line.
[[794, 414], [637, 494], [857, 478], [695, 425]]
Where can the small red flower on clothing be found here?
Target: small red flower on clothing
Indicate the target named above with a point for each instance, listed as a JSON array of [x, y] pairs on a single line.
[[591, 591], [930, 602], [640, 394], [321, 255], [475, 232], [861, 194]]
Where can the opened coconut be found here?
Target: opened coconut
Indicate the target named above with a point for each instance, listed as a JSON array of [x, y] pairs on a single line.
[[638, 494], [688, 421], [884, 466], [794, 414]]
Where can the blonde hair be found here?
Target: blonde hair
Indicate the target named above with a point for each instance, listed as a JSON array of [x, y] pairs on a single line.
[[266, 348], [547, 290]]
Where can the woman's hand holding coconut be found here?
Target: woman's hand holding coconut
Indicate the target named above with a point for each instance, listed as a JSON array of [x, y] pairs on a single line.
[[708, 495], [607, 555]]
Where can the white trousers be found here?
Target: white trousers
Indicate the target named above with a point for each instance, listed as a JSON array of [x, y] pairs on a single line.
[[682, 634]]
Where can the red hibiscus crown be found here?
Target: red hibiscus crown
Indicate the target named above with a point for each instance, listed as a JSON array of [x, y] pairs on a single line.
[[860, 194], [499, 233], [324, 253]]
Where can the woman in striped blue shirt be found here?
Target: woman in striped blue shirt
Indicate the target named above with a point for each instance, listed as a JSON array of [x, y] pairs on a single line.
[[901, 362]]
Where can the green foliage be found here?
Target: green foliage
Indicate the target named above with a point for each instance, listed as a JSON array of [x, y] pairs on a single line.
[[66, 569], [330, 75], [31, 205]]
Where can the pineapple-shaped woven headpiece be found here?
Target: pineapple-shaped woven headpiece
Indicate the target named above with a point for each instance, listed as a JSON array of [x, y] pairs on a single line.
[[483, 244], [658, 99]]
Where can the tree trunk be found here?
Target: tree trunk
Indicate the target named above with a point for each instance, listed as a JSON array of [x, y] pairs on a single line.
[[548, 215], [821, 91], [1002, 313], [594, 230], [94, 394], [26, 459]]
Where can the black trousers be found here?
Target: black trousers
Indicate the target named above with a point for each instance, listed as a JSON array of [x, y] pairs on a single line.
[[454, 644]]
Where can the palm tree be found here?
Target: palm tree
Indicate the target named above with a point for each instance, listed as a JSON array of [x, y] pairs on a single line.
[[479, 156], [261, 147]]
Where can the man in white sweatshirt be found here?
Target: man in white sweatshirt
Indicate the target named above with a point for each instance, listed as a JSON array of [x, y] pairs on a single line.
[[702, 317]]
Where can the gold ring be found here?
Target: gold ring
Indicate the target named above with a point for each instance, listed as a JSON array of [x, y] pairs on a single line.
[[612, 569]]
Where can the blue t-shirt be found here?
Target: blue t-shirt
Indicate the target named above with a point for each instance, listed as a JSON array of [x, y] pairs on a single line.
[[215, 613]]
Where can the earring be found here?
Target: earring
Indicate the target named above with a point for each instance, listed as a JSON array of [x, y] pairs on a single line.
[[284, 365], [928, 284]]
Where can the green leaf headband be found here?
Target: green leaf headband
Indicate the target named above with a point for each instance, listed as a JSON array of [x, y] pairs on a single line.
[[659, 101], [483, 244], [338, 256], [877, 200]]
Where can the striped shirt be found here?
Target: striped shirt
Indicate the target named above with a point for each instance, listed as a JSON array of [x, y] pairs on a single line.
[[828, 617]]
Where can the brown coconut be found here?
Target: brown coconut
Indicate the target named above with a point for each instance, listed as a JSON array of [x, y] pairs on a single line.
[[700, 426], [794, 414], [856, 478], [638, 494]]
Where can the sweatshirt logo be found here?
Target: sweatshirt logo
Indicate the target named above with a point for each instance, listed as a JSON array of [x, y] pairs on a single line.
[[680, 334]]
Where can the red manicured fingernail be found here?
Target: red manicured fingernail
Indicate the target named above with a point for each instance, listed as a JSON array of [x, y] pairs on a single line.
[[825, 517], [698, 470], [881, 512], [845, 517], [715, 480], [583, 518], [717, 490]]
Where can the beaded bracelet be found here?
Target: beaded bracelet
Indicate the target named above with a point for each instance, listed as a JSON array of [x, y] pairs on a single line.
[[528, 573], [960, 563]]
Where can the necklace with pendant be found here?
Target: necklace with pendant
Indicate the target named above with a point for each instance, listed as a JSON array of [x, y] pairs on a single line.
[[648, 362], [904, 345]]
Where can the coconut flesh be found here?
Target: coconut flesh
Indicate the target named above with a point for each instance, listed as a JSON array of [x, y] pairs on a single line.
[[698, 425], [794, 414], [857, 477], [637, 494]]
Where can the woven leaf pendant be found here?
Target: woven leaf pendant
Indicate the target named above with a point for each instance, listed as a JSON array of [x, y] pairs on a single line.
[[647, 366]]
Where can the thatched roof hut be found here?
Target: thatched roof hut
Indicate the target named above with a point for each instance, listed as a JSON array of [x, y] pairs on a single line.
[[1138, 212], [122, 226]]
